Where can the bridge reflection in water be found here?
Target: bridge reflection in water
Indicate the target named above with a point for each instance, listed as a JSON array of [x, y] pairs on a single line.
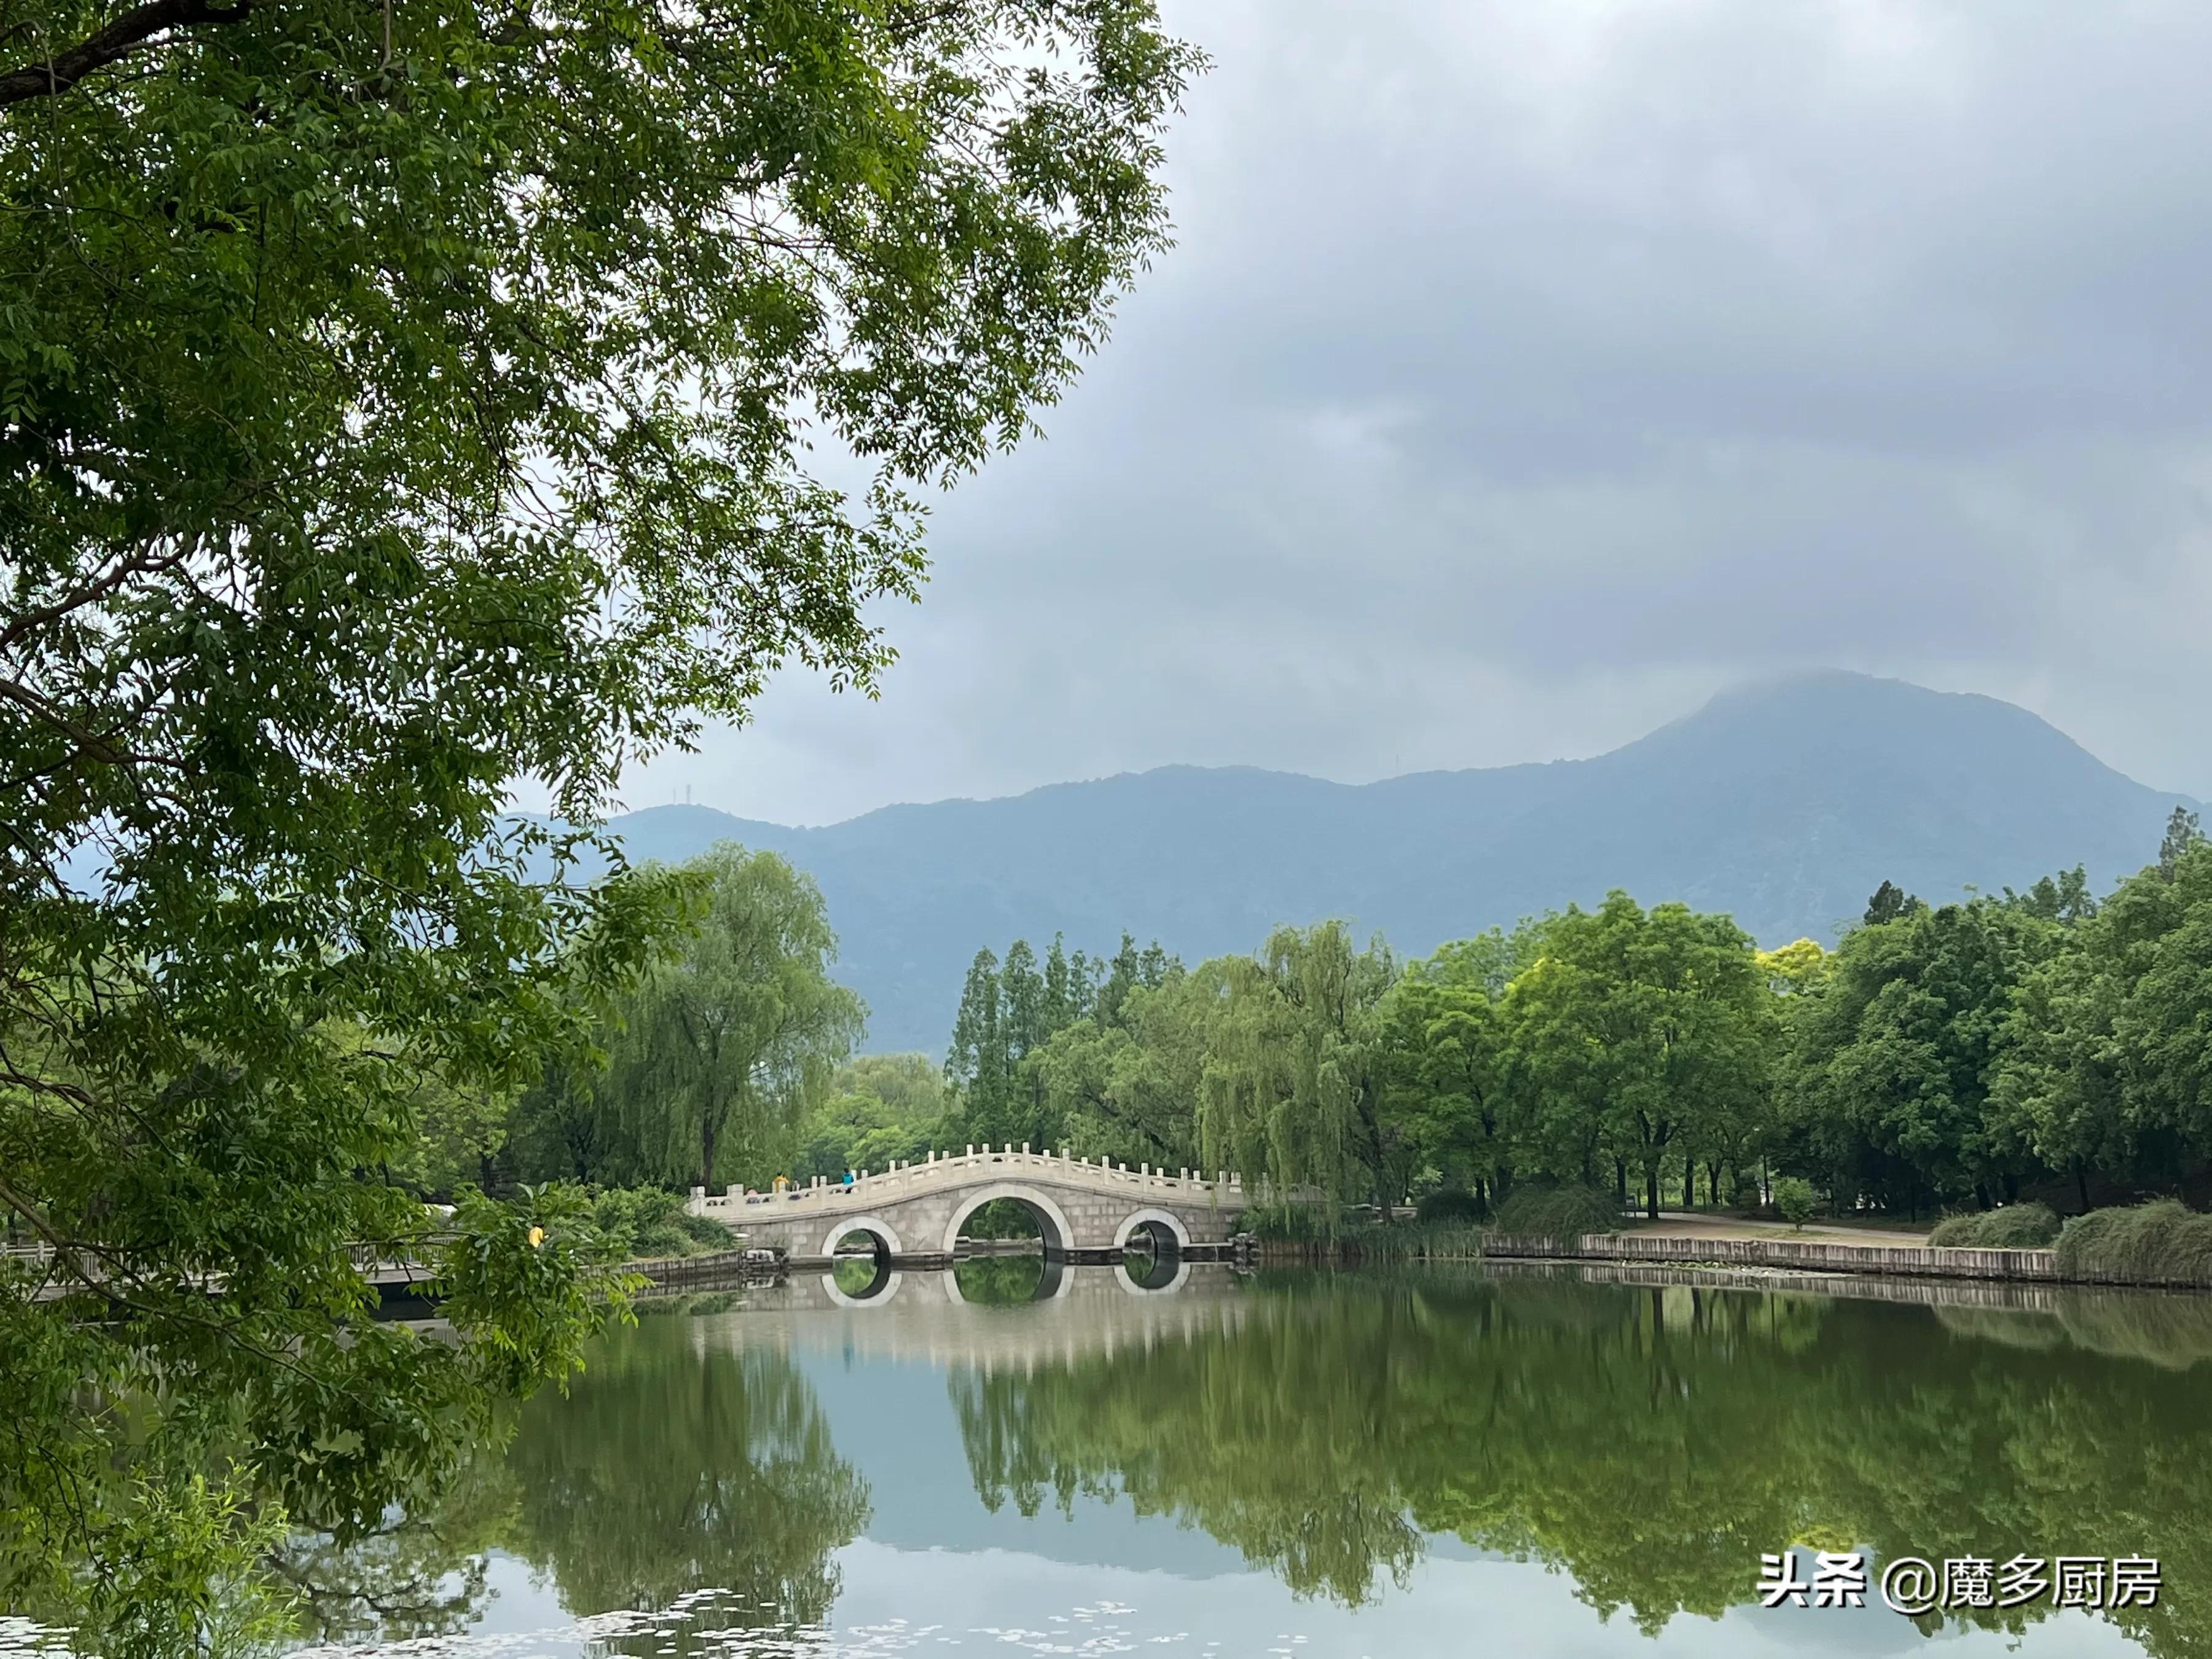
[[961, 1316]]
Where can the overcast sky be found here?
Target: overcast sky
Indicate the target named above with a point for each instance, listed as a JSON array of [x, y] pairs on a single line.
[[1527, 372]]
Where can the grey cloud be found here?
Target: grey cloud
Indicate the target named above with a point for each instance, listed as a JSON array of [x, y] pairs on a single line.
[[1528, 371]]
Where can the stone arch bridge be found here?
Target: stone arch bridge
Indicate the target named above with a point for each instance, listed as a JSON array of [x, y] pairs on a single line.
[[917, 1210]]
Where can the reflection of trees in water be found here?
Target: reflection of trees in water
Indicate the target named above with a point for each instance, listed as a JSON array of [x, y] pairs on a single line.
[[856, 1275], [1652, 1443], [421, 1573], [999, 1281], [2169, 1329], [669, 1468], [1273, 1441]]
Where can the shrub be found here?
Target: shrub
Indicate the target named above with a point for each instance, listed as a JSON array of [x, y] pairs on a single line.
[[2014, 1227], [642, 1222], [1568, 1211], [2159, 1242], [1451, 1205], [1793, 1196]]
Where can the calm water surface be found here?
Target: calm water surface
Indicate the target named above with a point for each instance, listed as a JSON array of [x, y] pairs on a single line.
[[1305, 1465]]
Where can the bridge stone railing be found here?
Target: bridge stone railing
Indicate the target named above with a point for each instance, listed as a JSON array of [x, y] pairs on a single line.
[[949, 1172]]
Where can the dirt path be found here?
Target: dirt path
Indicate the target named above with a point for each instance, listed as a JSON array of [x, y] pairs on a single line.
[[1675, 1223]]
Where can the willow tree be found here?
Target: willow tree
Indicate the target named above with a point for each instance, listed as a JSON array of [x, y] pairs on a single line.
[[402, 404], [734, 1036], [1293, 1085]]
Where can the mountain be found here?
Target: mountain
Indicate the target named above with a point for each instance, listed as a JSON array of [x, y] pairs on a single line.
[[1785, 804]]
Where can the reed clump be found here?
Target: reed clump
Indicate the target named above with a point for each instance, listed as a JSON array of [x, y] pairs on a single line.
[[2161, 1243], [2011, 1227]]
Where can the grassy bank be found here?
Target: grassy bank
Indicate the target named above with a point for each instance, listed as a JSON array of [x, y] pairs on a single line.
[[2162, 1243]]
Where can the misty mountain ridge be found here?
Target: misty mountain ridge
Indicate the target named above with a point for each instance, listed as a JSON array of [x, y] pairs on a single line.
[[1784, 803]]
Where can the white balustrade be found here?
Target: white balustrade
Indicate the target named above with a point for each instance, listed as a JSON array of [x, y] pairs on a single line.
[[936, 1171]]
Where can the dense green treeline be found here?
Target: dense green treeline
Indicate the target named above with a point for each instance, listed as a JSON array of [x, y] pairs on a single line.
[[705, 1066], [1940, 1056]]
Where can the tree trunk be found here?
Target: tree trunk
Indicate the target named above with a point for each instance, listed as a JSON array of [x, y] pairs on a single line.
[[2081, 1185], [1651, 1192], [1689, 1181], [706, 1150], [1621, 1181], [1713, 1183]]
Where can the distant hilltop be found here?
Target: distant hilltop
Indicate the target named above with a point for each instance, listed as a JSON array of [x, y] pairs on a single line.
[[1784, 803]]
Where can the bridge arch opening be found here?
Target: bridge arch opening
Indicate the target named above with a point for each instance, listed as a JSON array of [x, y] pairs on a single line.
[[863, 1233], [1152, 1243], [860, 1250], [1052, 1223], [1156, 1232]]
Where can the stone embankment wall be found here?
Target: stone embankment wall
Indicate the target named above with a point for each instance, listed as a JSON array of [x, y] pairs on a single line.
[[1807, 1255]]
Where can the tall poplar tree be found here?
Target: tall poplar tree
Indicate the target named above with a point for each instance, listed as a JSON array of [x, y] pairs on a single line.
[[976, 1063]]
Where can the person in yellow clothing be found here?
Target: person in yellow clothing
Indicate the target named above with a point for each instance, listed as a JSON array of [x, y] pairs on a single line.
[[782, 1181]]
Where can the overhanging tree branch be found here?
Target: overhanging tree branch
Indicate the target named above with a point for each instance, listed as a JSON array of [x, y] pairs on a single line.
[[112, 44]]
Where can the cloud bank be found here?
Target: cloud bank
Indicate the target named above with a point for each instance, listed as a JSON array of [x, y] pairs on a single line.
[[1525, 372]]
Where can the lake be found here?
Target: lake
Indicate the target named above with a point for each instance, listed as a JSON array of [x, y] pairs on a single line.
[[1310, 1465]]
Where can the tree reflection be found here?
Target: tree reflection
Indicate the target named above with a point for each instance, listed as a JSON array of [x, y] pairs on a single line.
[[421, 1573], [999, 1281], [1651, 1443], [670, 1468], [1273, 1440]]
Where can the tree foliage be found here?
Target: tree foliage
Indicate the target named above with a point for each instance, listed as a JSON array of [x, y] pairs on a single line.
[[1294, 1083], [881, 1107], [1643, 1036], [400, 405], [1968, 1054], [733, 1037], [1894, 1054], [1009, 1015]]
